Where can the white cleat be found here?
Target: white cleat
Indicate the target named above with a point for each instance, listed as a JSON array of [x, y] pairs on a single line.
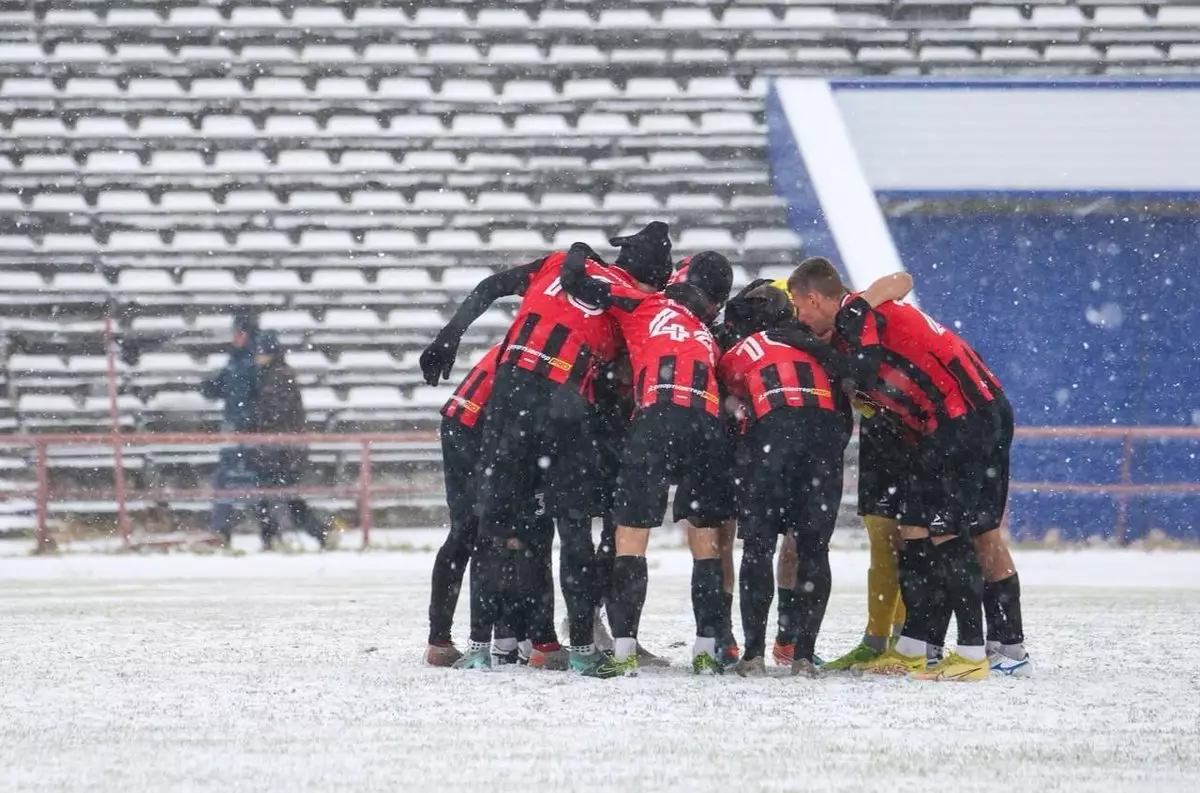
[[1001, 664]]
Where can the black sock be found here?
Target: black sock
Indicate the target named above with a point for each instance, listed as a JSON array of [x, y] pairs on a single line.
[[1002, 607], [448, 569], [940, 613], [540, 601], [964, 588], [628, 596], [485, 598], [813, 582], [706, 596], [576, 572], [725, 631], [785, 631], [756, 583], [919, 581]]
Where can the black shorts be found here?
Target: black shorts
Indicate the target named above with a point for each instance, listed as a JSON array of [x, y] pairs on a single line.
[[538, 438], [790, 473], [460, 453], [997, 447], [721, 502], [957, 483], [883, 458], [670, 444]]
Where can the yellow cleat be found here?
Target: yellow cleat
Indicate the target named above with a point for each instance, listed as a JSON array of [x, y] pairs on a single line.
[[955, 667], [891, 663]]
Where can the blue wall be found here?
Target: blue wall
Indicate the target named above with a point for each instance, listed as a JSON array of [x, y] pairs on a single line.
[[1087, 320]]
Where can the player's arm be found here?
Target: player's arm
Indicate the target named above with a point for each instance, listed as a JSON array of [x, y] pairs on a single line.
[[438, 358], [579, 285], [889, 287], [862, 329], [837, 365]]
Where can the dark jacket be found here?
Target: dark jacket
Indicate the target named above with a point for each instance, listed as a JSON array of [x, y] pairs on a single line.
[[237, 385], [280, 408]]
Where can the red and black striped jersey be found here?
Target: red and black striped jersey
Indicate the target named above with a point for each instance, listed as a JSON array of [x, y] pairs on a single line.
[[468, 400], [559, 336], [927, 374], [766, 375], [673, 353]]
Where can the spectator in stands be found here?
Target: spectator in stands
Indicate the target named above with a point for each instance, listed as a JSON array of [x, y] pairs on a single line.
[[237, 385], [279, 408]]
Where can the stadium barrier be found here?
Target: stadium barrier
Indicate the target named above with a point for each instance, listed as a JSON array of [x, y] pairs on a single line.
[[364, 489]]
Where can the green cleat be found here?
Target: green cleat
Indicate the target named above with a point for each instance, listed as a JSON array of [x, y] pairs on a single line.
[[595, 664], [859, 655], [609, 666], [475, 659], [705, 664]]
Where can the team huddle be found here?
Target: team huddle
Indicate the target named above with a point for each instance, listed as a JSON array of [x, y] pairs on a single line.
[[616, 381]]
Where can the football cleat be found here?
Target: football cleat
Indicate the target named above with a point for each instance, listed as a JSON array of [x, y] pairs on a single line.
[[751, 667], [891, 663], [475, 659], [859, 655], [612, 667], [705, 664], [506, 657], [802, 667], [647, 658], [728, 652], [1001, 664], [955, 668], [783, 653], [444, 655], [552, 660]]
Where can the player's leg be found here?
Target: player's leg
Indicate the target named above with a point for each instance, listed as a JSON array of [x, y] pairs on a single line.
[[1002, 584], [460, 449], [785, 581], [544, 650], [641, 501], [574, 482], [701, 456], [761, 493], [882, 456], [816, 447], [962, 477], [505, 483]]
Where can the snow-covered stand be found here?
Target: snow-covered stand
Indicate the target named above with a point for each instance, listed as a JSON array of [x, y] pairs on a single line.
[[1054, 226]]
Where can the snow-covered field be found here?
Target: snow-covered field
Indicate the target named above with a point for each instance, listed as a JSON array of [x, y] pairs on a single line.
[[301, 673]]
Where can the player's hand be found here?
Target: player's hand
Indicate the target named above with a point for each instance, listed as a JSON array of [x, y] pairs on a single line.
[[438, 359]]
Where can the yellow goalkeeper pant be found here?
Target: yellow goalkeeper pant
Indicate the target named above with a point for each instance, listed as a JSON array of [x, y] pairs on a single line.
[[885, 607]]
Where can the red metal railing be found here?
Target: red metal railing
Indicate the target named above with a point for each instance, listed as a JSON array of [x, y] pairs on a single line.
[[365, 488]]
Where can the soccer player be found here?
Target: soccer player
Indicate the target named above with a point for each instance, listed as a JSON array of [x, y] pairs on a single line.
[[540, 430], [916, 372], [789, 467], [676, 435], [460, 437]]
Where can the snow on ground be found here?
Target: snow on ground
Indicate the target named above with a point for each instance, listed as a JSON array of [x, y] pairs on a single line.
[[301, 673]]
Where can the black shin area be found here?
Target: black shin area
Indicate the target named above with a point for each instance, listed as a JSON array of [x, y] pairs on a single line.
[[628, 596], [577, 570], [811, 595], [756, 585], [1002, 607], [964, 588], [540, 604], [448, 569], [707, 590], [920, 585]]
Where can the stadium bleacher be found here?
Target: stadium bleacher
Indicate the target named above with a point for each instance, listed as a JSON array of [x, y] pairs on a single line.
[[350, 170]]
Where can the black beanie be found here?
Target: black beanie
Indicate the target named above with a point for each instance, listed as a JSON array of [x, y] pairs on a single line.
[[710, 272], [646, 255]]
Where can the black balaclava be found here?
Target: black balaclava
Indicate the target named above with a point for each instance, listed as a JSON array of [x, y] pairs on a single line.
[[646, 255], [707, 279]]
